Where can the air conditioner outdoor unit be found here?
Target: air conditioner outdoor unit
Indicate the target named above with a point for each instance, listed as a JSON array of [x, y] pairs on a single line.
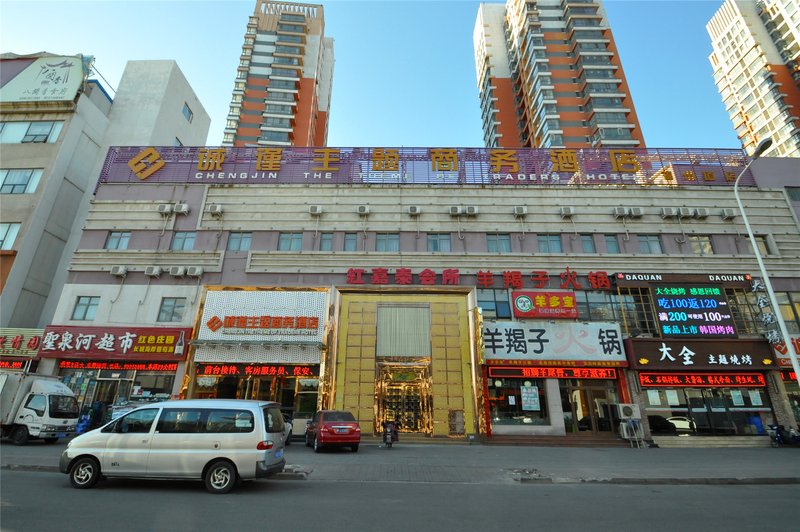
[[194, 271], [669, 212], [414, 210], [177, 271], [119, 271], [456, 210], [566, 212], [181, 208], [728, 214], [685, 212], [152, 271], [315, 210], [471, 210], [701, 213], [215, 209], [628, 411], [520, 211], [165, 208], [635, 212], [620, 212], [363, 210]]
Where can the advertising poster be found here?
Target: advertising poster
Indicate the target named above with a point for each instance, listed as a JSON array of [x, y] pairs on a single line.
[[530, 398]]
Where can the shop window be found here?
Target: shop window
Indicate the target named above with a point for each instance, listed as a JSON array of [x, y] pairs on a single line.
[[494, 304], [240, 241], [172, 309], [85, 308], [517, 402], [183, 241], [118, 240]]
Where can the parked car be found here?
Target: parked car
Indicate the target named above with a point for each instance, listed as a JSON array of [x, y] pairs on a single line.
[[682, 423], [333, 428], [660, 425]]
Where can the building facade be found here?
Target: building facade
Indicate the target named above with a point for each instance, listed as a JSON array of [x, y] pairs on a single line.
[[282, 91], [549, 75], [756, 62], [530, 295]]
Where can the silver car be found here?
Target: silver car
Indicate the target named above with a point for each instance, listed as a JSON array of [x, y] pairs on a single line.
[[218, 441]]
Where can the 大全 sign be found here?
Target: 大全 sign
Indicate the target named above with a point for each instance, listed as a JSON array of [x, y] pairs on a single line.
[[700, 355]]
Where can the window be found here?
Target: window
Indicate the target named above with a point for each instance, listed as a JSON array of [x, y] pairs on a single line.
[[172, 309], [240, 241], [37, 403], [19, 181], [326, 242], [650, 244], [138, 422], [499, 243], [494, 303], [183, 241], [38, 132], [528, 409], [701, 245], [550, 244], [351, 241], [8, 234], [187, 113], [438, 242], [25, 132], [612, 244], [597, 306], [230, 421], [118, 240], [290, 242], [85, 308], [387, 242], [587, 244], [763, 246]]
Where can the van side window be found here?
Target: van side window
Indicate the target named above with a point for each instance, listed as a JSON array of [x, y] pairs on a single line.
[[273, 418], [184, 420], [137, 422], [37, 403], [230, 421]]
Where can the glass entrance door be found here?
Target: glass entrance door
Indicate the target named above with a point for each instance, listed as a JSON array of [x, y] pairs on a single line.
[[587, 405], [403, 394]]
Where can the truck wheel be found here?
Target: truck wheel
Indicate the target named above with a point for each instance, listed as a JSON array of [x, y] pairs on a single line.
[[50, 440], [20, 436], [84, 473], [220, 477]]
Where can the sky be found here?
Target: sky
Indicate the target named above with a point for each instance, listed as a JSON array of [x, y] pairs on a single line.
[[404, 71]]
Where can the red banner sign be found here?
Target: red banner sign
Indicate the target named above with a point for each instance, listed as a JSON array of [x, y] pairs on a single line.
[[266, 370], [704, 380], [544, 304], [17, 363], [789, 376], [554, 373], [114, 343], [120, 366]]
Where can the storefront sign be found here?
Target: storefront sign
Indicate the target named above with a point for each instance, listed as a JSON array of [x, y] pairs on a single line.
[[692, 311], [430, 166], [702, 380], [20, 342], [42, 79], [782, 352], [544, 305], [212, 370], [170, 367], [114, 343], [648, 279], [17, 363], [789, 376], [263, 316], [554, 373], [699, 355], [535, 341], [530, 398]]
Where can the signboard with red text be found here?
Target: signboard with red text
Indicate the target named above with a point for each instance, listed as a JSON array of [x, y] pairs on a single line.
[[544, 304], [114, 343]]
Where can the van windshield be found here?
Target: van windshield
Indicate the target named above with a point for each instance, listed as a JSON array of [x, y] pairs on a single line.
[[63, 406]]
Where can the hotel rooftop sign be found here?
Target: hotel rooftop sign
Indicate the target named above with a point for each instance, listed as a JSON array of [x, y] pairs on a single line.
[[424, 166]]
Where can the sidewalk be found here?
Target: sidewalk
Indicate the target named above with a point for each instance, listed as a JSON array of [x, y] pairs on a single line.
[[416, 462]]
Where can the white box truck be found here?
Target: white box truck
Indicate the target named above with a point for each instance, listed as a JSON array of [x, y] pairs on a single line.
[[36, 406]]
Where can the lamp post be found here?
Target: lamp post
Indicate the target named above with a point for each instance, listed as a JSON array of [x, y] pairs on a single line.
[[760, 149]]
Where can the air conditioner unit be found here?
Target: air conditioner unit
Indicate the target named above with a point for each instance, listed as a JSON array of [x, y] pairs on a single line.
[[685, 212], [215, 210], [152, 271], [165, 208], [701, 213], [520, 211], [620, 212], [181, 208], [471, 210], [566, 212], [628, 411], [669, 212], [363, 210], [635, 212], [315, 210], [414, 210], [119, 271], [177, 271], [456, 210], [194, 271], [728, 214]]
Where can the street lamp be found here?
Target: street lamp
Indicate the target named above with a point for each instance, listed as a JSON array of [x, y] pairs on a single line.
[[760, 149]]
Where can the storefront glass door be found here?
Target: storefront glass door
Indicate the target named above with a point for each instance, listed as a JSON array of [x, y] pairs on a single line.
[[588, 405], [404, 395]]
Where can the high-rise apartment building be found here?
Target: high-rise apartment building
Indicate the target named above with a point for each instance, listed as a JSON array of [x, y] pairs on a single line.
[[756, 61], [549, 75], [283, 83]]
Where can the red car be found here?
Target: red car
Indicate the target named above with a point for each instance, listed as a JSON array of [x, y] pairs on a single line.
[[333, 427]]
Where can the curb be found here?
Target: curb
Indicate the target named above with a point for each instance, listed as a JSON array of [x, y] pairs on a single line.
[[726, 481]]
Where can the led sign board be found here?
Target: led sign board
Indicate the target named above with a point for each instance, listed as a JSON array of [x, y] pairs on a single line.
[[692, 311]]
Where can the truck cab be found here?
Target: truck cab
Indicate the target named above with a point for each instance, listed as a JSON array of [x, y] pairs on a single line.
[[35, 406]]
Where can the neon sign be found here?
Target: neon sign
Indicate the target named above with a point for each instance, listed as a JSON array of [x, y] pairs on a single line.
[[693, 311]]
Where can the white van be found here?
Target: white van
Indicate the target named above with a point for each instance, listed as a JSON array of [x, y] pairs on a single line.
[[219, 441]]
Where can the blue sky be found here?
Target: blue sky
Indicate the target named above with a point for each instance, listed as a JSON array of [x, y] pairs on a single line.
[[404, 73]]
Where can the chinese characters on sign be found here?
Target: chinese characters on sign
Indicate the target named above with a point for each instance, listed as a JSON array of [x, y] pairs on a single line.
[[284, 370], [142, 343], [554, 373], [20, 342], [119, 366], [699, 355], [707, 380], [693, 311], [544, 305], [266, 324]]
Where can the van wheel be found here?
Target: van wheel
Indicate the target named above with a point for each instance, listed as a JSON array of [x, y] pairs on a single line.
[[20, 436], [50, 440], [317, 445], [220, 477], [84, 473]]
